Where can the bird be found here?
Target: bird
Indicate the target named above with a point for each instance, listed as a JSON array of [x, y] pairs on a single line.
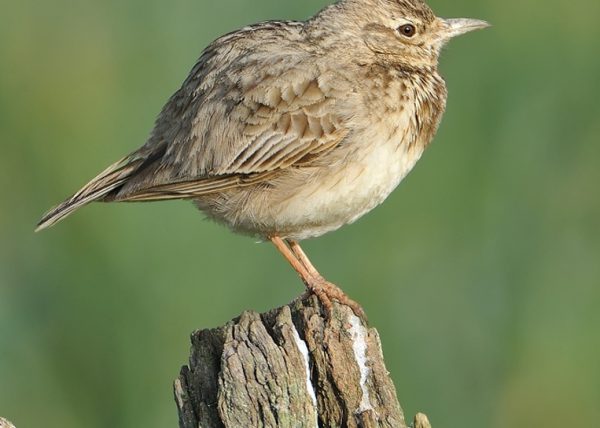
[[287, 130]]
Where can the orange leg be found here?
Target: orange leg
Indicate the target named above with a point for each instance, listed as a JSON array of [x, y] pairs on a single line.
[[314, 281], [284, 249]]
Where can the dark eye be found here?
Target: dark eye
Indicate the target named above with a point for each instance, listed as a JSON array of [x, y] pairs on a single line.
[[407, 30]]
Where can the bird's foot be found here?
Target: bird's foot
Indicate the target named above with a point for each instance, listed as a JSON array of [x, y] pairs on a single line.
[[327, 291], [315, 283]]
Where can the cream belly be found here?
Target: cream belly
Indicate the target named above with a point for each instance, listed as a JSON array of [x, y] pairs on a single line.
[[342, 195], [320, 201]]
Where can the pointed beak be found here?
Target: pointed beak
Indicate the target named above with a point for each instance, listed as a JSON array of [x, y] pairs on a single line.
[[457, 26]]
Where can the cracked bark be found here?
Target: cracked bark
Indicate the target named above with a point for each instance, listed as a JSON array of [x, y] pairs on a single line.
[[289, 367]]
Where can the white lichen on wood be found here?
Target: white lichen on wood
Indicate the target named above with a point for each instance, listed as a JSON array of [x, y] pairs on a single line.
[[301, 344], [359, 346]]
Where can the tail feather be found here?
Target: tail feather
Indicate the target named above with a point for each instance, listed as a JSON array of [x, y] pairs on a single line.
[[107, 181]]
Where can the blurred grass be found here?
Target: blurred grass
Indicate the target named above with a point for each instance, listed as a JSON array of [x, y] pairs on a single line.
[[481, 271]]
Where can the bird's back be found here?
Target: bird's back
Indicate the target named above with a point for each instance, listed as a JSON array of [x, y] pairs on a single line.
[[201, 129]]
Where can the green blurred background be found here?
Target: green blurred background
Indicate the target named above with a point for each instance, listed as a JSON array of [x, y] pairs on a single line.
[[481, 272]]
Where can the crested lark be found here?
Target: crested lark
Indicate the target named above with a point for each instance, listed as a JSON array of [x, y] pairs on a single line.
[[287, 130]]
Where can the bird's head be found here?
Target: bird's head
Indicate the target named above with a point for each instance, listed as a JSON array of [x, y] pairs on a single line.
[[404, 31]]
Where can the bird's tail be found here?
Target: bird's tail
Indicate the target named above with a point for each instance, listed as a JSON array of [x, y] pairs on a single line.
[[98, 188]]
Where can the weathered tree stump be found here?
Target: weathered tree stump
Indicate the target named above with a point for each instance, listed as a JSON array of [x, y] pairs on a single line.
[[290, 367], [5, 424]]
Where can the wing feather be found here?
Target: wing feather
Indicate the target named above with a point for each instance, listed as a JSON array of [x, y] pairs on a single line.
[[254, 104], [252, 133]]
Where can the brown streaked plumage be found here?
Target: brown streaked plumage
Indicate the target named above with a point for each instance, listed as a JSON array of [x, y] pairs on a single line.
[[288, 130]]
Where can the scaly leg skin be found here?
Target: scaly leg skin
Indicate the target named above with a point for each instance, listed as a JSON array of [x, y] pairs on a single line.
[[314, 281], [305, 275], [332, 291]]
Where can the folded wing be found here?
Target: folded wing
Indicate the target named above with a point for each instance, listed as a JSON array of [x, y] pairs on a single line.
[[243, 115]]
